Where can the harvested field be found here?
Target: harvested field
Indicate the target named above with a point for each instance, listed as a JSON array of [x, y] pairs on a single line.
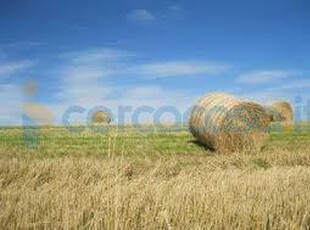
[[134, 180]]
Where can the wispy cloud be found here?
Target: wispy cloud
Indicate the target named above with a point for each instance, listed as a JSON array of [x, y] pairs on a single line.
[[96, 55], [171, 11], [180, 68], [23, 44], [10, 68], [10, 105], [86, 80], [175, 7], [285, 91], [265, 96], [11, 93], [262, 77], [299, 84], [134, 97], [102, 62], [83, 73], [141, 15]]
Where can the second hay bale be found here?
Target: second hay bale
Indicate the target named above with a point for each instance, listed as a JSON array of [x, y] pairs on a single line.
[[281, 115], [225, 123], [285, 111], [280, 112]]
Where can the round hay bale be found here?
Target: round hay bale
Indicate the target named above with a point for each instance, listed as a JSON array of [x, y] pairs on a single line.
[[100, 117], [224, 123], [284, 110]]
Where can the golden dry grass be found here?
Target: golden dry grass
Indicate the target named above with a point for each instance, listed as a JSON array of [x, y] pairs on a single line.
[[135, 180]]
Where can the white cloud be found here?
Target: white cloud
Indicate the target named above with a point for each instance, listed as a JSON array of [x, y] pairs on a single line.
[[3, 56], [141, 15], [23, 44], [81, 76], [265, 97], [9, 68], [174, 11], [84, 71], [171, 11], [83, 80], [10, 93], [155, 96], [10, 104], [134, 97], [261, 77], [175, 7], [300, 84], [102, 62], [179, 68], [96, 55], [270, 95]]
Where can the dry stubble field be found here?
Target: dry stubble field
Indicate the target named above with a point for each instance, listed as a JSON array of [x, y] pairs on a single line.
[[143, 180]]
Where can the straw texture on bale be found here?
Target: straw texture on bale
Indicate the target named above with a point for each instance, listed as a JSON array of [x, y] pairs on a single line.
[[273, 113], [224, 123], [284, 110], [101, 117]]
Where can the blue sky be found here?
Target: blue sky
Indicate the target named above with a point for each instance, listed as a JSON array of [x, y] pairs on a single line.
[[153, 53]]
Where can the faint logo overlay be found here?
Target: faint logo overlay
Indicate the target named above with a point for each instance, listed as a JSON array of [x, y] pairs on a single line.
[[34, 115], [101, 119], [38, 113]]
